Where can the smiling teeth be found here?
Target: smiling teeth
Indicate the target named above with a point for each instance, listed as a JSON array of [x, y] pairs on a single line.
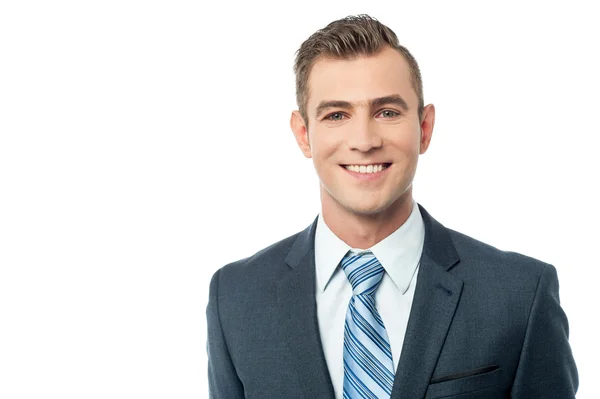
[[365, 168]]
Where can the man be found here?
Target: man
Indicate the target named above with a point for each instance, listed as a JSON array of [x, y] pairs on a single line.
[[376, 299]]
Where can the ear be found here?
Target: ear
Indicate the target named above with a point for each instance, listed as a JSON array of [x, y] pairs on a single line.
[[300, 133], [427, 123]]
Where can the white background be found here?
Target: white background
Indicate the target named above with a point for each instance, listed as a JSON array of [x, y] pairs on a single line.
[[145, 144]]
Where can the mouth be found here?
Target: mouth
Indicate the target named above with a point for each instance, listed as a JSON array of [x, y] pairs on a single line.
[[366, 169]]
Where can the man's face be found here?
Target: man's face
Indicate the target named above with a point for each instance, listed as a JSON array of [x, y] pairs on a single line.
[[363, 112]]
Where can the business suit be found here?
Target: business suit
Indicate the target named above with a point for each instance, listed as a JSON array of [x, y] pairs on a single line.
[[484, 324]]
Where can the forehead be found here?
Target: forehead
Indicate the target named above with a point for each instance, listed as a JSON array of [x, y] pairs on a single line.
[[361, 79]]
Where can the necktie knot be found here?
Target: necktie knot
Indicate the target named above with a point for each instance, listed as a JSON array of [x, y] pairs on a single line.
[[363, 271]]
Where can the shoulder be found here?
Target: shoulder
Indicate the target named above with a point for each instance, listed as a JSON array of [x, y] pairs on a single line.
[[471, 248], [482, 261], [475, 260], [262, 265]]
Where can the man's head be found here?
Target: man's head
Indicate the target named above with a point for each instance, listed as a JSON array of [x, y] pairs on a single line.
[[345, 39], [361, 103]]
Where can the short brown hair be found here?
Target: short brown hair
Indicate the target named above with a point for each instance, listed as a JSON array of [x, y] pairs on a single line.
[[349, 38]]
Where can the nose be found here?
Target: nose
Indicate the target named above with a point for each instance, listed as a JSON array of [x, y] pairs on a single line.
[[363, 136]]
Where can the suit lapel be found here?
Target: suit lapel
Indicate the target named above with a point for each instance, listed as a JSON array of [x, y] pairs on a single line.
[[436, 297], [298, 318]]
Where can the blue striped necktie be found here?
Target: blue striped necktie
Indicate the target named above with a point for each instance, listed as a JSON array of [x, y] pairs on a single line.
[[368, 364]]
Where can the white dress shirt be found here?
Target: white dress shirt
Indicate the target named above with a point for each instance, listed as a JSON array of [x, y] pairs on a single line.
[[399, 254]]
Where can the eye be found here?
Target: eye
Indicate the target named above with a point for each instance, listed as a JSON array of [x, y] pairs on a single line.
[[336, 116], [388, 113]]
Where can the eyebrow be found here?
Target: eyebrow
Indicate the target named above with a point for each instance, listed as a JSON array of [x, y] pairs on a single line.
[[373, 103]]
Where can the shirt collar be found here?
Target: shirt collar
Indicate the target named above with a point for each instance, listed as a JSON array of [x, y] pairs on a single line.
[[399, 253]]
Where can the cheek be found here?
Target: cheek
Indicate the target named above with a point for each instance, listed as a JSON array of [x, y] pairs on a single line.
[[322, 150], [409, 143]]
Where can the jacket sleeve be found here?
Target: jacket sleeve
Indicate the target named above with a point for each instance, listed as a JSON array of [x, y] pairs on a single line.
[[546, 367], [223, 381]]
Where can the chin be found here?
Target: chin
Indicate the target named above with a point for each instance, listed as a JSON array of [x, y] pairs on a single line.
[[367, 209]]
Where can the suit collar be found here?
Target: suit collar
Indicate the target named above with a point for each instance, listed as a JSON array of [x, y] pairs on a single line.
[[438, 244], [304, 242]]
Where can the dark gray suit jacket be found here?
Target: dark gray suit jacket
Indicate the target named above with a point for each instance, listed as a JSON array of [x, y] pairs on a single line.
[[484, 324]]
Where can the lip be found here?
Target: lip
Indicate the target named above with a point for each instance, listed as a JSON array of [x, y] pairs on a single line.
[[367, 176]]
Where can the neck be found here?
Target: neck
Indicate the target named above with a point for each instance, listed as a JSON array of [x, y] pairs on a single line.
[[363, 231]]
